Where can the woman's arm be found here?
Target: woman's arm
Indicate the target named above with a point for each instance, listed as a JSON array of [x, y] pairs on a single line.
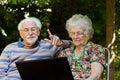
[[97, 70]]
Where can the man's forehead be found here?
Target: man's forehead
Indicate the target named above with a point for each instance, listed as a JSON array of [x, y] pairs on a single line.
[[29, 24]]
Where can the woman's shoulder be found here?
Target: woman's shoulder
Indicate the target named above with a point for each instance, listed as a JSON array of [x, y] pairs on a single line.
[[94, 44]]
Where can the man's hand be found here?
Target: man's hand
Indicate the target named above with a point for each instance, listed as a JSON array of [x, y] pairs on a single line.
[[55, 40]]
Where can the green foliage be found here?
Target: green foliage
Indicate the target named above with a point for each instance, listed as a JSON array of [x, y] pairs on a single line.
[[117, 42], [17, 1]]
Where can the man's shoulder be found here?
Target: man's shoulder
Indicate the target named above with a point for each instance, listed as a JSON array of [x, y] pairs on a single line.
[[43, 43], [14, 44]]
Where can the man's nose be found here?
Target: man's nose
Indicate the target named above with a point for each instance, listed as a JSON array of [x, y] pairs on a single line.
[[30, 31]]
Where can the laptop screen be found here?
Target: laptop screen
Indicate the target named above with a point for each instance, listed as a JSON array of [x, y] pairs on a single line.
[[45, 69]]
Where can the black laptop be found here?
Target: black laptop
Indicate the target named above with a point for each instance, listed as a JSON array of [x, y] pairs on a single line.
[[45, 69]]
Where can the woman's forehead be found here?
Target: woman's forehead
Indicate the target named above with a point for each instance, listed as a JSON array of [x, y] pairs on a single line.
[[76, 28]]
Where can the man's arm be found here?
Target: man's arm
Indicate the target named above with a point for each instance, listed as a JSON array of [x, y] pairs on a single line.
[[97, 70], [55, 40], [4, 62], [65, 43]]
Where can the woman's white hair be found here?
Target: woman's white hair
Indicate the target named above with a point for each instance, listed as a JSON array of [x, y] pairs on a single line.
[[34, 19], [84, 22]]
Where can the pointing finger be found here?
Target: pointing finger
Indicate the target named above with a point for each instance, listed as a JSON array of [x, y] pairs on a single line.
[[50, 34]]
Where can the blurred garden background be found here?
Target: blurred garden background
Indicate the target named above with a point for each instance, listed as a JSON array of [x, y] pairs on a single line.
[[105, 15]]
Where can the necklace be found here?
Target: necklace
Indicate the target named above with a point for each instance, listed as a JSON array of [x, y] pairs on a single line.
[[77, 59], [81, 55]]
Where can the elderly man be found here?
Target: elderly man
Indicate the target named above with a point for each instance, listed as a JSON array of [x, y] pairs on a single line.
[[27, 48]]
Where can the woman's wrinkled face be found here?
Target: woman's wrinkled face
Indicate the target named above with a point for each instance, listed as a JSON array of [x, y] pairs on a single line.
[[78, 36], [29, 33]]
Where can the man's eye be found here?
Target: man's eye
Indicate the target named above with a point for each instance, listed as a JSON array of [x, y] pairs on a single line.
[[26, 30], [33, 29]]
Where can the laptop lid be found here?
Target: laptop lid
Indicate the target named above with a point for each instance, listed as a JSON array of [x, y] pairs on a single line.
[[45, 69]]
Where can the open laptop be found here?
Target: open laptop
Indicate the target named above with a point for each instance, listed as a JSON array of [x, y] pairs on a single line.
[[45, 69]]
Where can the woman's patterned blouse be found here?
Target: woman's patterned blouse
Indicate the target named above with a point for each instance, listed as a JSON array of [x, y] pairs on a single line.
[[81, 67]]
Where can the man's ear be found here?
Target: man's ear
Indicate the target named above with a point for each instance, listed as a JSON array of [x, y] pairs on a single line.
[[39, 32], [20, 33]]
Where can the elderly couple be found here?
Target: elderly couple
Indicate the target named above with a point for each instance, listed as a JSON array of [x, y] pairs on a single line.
[[86, 59]]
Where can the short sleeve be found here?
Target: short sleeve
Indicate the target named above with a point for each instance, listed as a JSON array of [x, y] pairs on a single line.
[[98, 55]]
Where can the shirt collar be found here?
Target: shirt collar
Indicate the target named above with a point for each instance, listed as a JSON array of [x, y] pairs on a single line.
[[21, 44]]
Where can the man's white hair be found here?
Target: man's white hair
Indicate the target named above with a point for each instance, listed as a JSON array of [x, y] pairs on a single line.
[[34, 19]]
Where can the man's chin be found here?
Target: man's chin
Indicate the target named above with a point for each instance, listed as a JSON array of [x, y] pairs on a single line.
[[31, 41]]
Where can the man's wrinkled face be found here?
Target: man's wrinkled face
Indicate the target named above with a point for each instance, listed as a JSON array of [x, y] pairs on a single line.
[[29, 33]]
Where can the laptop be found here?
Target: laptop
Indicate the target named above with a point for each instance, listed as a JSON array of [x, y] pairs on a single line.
[[45, 69]]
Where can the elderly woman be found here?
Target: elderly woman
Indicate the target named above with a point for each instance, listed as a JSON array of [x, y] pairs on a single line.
[[86, 59]]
